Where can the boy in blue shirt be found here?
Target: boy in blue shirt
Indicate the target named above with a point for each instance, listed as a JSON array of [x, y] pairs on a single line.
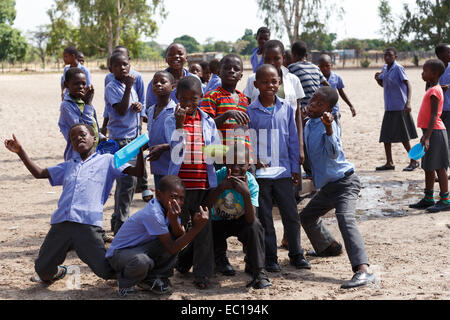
[[339, 188], [70, 57], [256, 59], [215, 81], [125, 117], [144, 250], [281, 148], [87, 180], [234, 206]]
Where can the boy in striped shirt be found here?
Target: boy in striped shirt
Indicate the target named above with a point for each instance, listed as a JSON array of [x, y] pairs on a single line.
[[189, 129]]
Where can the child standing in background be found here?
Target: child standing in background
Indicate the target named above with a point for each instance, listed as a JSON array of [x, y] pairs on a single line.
[[214, 82], [434, 139], [197, 70], [70, 57], [262, 36], [398, 124], [125, 117], [335, 82], [206, 73]]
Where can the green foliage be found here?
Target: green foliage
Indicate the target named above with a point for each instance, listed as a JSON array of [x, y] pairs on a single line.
[[250, 37], [189, 43], [13, 46], [316, 38], [388, 25], [365, 63], [7, 11], [429, 24], [222, 46]]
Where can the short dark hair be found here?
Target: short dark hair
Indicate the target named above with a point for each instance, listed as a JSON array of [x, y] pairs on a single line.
[[391, 49], [330, 94], [262, 30], [324, 58], [89, 127], [172, 45], [166, 74], [71, 73], [214, 66], [204, 65], [116, 56], [72, 50], [299, 48], [119, 48], [169, 183], [236, 149], [435, 65], [189, 83], [273, 44], [229, 57], [264, 68], [440, 49]]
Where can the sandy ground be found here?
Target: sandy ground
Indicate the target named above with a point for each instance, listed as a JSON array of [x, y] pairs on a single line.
[[408, 249]]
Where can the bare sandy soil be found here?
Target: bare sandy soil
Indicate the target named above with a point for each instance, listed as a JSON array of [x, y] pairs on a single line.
[[409, 250]]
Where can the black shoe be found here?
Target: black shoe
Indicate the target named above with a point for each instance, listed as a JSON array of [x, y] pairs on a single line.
[[331, 251], [359, 279], [385, 168], [300, 262], [260, 281], [438, 207], [273, 267], [422, 204], [224, 267]]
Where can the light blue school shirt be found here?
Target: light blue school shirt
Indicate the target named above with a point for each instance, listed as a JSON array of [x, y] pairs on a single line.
[[395, 89], [156, 134], [335, 82], [138, 86], [122, 127], [86, 187], [70, 115], [255, 60], [152, 99], [281, 120], [231, 204], [445, 80], [142, 227], [210, 137], [213, 83], [325, 152], [85, 70]]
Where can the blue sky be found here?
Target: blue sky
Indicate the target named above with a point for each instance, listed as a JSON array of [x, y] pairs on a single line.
[[203, 19]]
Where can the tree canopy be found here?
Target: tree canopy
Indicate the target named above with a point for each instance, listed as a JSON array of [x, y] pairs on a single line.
[[13, 46]]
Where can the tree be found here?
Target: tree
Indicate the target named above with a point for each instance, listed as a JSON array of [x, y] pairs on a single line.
[[429, 24], [316, 38], [7, 11], [291, 15], [189, 43], [104, 24], [13, 46], [388, 25], [222, 46], [40, 38], [250, 37]]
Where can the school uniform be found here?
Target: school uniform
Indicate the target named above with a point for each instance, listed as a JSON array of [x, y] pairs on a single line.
[[123, 129], [228, 220], [77, 223], [151, 99], [291, 90], [198, 175], [79, 66], [156, 128], [72, 112], [338, 187], [256, 60], [445, 80], [397, 126], [336, 82], [213, 83], [280, 149], [136, 252], [437, 156]]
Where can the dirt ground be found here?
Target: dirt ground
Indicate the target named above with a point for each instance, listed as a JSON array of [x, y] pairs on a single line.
[[409, 250]]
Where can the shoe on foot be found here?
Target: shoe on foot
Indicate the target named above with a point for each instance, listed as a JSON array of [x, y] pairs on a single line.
[[300, 262], [224, 267], [423, 204], [272, 267], [60, 274], [411, 167], [333, 250], [359, 279], [438, 207], [385, 168], [259, 281], [158, 286], [124, 292]]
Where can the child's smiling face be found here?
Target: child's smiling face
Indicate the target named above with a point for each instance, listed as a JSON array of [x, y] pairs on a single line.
[[81, 139], [176, 57], [161, 85], [317, 106], [77, 85], [189, 100], [197, 70], [268, 83]]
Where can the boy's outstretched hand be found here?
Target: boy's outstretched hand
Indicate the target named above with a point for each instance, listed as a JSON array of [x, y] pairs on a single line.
[[13, 145], [136, 107], [201, 218]]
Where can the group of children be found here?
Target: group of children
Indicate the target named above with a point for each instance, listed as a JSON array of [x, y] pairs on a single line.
[[286, 117]]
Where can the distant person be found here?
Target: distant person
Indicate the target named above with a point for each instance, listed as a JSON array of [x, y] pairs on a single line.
[[176, 58], [262, 36], [144, 251], [338, 186], [398, 124], [434, 139], [335, 81], [81, 57], [206, 73], [197, 70], [70, 58], [86, 181], [214, 82], [288, 58]]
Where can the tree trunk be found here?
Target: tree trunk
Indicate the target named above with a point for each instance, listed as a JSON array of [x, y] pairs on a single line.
[[109, 29], [119, 15]]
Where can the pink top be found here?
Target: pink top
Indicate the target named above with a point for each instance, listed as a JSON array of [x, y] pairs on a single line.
[[425, 110]]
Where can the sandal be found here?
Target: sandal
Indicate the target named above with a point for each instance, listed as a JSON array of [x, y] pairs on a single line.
[[411, 167], [385, 168], [201, 283]]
